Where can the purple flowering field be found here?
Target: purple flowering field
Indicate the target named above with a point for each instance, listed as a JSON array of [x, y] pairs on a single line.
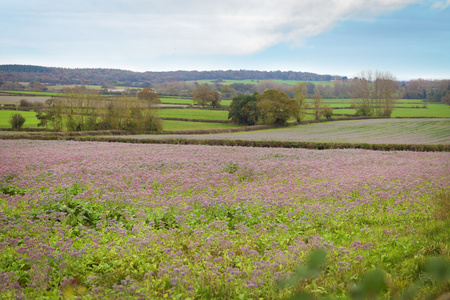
[[128, 221]]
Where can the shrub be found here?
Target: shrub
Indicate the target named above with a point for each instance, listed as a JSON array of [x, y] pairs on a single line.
[[16, 121]]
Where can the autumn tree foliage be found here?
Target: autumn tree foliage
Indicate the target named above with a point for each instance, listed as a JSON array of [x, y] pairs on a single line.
[[276, 107], [203, 96], [149, 95], [227, 92]]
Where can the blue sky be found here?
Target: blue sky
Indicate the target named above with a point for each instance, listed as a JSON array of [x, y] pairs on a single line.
[[409, 38]]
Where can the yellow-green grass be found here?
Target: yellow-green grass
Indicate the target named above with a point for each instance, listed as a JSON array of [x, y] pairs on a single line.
[[439, 110], [202, 114], [30, 118], [187, 101], [176, 101], [170, 125]]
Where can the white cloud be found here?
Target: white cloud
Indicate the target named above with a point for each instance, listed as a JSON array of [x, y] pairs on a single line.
[[111, 29], [441, 5]]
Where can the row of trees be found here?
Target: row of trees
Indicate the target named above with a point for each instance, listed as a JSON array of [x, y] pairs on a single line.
[[84, 112], [427, 90], [27, 73], [376, 94]]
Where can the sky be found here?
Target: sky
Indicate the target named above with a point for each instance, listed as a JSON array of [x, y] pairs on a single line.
[[408, 38]]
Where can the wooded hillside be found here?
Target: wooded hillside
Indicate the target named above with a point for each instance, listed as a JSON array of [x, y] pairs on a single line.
[[28, 73]]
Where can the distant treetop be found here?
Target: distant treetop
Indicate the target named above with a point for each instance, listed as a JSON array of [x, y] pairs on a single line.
[[28, 73]]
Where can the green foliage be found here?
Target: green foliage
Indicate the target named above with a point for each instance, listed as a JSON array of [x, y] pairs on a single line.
[[364, 110], [313, 268], [16, 121], [301, 95], [327, 112], [373, 285], [244, 109], [276, 107], [12, 190], [370, 287]]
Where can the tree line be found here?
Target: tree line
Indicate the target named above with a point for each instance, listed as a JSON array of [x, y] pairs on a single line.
[[340, 88], [97, 76], [89, 111]]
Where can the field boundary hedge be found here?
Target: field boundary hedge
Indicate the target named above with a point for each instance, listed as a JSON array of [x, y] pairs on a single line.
[[239, 143]]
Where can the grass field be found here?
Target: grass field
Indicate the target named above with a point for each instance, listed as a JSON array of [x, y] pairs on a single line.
[[31, 121], [127, 221], [170, 125], [433, 110], [174, 100], [376, 131], [30, 118], [194, 114]]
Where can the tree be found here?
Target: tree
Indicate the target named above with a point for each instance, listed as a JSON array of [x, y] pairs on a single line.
[[376, 93], [227, 92], [244, 109], [203, 95], [16, 121], [149, 95], [446, 98], [276, 107], [300, 95], [327, 112], [317, 104], [36, 86]]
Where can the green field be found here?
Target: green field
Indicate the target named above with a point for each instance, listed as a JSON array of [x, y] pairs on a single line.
[[30, 118], [170, 125], [439, 110], [31, 121], [194, 114], [187, 101]]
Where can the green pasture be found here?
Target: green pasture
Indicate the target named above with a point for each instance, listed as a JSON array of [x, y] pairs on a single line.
[[30, 118], [433, 110], [170, 125], [187, 101], [187, 113]]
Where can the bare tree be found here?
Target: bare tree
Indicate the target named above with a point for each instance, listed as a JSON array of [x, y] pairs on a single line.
[[376, 93]]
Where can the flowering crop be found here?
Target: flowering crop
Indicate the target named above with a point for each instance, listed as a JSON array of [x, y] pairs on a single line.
[[113, 220]]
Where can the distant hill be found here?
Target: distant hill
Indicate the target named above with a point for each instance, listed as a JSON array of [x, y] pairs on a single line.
[[52, 75]]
